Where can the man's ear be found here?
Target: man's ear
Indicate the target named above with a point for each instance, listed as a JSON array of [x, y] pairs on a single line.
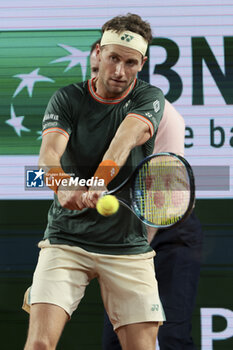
[[97, 49], [144, 59]]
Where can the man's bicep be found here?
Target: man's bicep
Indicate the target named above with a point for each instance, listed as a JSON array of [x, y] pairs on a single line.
[[137, 128]]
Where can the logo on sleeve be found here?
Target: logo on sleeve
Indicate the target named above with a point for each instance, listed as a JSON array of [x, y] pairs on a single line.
[[156, 106], [50, 117]]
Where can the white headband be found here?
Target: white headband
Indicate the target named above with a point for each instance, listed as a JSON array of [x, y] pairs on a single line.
[[126, 38]]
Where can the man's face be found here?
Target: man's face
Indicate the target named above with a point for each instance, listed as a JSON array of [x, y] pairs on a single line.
[[94, 61], [118, 67]]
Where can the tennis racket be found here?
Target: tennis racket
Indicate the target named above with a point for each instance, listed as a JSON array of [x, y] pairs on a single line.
[[161, 190]]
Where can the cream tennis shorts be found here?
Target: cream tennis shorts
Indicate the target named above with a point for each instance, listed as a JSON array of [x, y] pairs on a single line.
[[127, 282]]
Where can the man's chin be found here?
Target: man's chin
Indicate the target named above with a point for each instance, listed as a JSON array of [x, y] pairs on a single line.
[[117, 89]]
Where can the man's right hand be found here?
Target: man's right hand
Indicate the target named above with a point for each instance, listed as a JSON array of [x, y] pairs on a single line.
[[71, 197]]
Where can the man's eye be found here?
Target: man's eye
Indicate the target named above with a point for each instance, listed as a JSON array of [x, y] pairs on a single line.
[[114, 58], [130, 63]]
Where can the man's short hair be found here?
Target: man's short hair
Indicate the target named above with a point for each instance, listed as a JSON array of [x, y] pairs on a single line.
[[131, 22]]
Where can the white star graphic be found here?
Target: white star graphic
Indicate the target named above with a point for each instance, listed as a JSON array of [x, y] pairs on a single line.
[[76, 57], [40, 135], [16, 122], [39, 173], [28, 80]]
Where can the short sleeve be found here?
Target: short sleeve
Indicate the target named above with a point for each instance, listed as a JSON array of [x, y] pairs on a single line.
[[58, 115], [148, 106]]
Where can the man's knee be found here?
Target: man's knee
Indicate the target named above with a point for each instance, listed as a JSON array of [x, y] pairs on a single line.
[[138, 336]]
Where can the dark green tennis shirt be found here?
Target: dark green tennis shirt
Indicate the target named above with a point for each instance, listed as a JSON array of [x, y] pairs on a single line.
[[90, 123]]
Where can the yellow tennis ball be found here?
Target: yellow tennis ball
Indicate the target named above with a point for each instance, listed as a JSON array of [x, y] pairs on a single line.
[[107, 205]]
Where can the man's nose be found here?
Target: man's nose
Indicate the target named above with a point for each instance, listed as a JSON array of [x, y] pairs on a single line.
[[120, 69]]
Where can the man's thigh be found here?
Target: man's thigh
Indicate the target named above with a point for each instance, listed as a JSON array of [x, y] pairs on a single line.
[[45, 325], [129, 289], [61, 276]]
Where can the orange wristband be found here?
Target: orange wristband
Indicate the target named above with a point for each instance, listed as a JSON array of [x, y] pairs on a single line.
[[107, 170], [54, 177]]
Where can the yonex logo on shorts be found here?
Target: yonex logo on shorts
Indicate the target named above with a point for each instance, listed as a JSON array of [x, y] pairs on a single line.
[[127, 37], [155, 307]]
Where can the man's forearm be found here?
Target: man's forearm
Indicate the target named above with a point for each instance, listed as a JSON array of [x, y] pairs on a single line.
[[48, 160]]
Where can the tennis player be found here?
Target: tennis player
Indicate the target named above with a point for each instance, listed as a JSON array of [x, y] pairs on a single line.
[[178, 250], [101, 128]]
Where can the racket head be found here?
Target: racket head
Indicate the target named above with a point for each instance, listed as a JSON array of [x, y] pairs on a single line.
[[163, 190]]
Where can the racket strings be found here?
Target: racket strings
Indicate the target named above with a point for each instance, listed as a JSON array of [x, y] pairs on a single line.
[[163, 190]]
